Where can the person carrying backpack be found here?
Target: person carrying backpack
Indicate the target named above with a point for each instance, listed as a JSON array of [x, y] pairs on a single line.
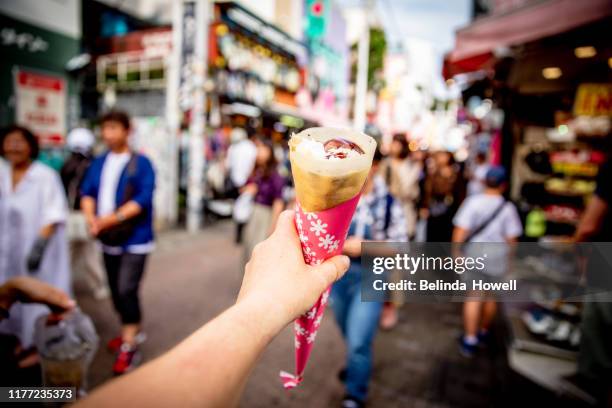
[[378, 217], [117, 201], [485, 217]]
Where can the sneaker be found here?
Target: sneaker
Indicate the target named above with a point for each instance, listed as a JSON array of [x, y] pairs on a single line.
[[467, 350], [114, 344], [351, 402], [127, 359]]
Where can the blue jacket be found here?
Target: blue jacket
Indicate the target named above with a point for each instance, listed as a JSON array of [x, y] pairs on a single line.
[[143, 182]]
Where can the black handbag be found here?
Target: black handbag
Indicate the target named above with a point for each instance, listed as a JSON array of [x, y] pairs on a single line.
[[118, 234]]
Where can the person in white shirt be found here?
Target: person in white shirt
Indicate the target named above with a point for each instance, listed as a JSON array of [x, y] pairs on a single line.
[[33, 211], [486, 217], [240, 159], [240, 162]]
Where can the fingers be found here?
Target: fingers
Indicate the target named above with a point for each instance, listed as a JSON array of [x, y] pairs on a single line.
[[32, 290], [57, 299], [285, 226], [333, 269]]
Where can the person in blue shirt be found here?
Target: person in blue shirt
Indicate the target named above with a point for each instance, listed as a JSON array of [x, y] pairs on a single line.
[[117, 201]]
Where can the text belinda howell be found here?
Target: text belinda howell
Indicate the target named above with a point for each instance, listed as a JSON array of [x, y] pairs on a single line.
[[440, 285]]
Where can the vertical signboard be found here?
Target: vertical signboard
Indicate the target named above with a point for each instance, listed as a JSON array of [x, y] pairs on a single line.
[[40, 105]]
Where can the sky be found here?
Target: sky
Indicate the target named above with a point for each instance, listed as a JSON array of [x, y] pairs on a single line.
[[422, 30], [434, 21], [431, 21]]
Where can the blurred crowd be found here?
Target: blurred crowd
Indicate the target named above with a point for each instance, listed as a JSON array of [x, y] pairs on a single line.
[[98, 212]]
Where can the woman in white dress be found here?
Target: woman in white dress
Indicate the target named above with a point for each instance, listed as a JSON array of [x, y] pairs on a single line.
[[33, 211]]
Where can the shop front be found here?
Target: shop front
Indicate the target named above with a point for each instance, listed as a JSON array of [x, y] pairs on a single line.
[[553, 83]]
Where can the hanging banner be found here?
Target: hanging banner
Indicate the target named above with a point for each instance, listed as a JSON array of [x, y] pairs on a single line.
[[41, 105]]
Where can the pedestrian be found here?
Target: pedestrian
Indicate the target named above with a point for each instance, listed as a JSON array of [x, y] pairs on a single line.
[[441, 196], [83, 247], [240, 162], [476, 174], [117, 200], [401, 174], [33, 212], [266, 186], [486, 217], [379, 216]]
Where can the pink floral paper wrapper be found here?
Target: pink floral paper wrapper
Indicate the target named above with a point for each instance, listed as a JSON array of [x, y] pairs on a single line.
[[322, 236]]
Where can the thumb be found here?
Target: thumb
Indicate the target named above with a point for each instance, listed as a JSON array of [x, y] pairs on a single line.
[[332, 269]]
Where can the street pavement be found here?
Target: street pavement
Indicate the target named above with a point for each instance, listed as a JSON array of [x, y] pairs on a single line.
[[192, 278]]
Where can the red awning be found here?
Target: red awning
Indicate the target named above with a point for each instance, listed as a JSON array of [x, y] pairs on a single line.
[[523, 25]]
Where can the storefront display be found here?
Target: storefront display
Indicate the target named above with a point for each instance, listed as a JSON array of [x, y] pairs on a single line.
[[253, 61], [557, 133]]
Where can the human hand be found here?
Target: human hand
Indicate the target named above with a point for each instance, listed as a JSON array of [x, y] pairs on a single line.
[[105, 222], [92, 224], [30, 290], [352, 247], [278, 280]]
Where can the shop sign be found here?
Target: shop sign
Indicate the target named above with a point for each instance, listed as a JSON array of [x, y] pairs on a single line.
[[23, 40], [41, 105], [593, 100], [32, 46], [268, 32]]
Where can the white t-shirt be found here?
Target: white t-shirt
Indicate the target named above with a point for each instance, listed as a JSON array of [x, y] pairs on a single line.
[[478, 208], [241, 161], [111, 172]]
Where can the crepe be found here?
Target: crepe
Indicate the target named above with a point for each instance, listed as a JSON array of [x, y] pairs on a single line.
[[323, 180], [329, 169]]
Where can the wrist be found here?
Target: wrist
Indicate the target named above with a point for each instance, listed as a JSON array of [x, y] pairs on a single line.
[[119, 217], [267, 317]]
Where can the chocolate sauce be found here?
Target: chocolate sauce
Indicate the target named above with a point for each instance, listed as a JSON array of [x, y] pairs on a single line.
[[339, 143]]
